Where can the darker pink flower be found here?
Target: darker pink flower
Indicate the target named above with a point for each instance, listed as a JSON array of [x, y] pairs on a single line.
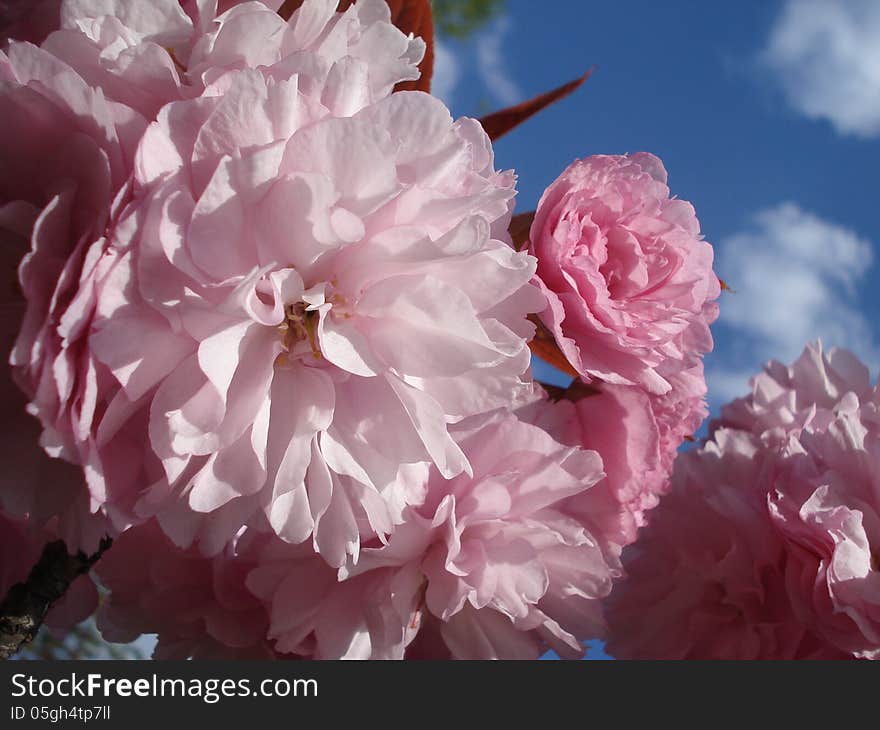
[[65, 157], [628, 279], [824, 499], [707, 578], [198, 607], [766, 546], [636, 433], [19, 551]]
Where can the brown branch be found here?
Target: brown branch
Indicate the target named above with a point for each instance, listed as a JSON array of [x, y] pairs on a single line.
[[574, 392], [519, 228], [26, 605], [543, 345]]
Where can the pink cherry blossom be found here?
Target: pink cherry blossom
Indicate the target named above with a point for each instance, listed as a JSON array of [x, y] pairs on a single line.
[[145, 55], [318, 313], [707, 578], [786, 399], [65, 160], [636, 433], [311, 281], [497, 564], [628, 279], [619, 423], [34, 20], [765, 547], [199, 607], [824, 501], [258, 101]]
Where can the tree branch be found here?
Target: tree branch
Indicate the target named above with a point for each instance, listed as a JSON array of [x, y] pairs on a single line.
[[574, 392], [25, 607]]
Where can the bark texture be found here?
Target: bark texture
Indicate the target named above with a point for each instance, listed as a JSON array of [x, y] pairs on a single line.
[[25, 607]]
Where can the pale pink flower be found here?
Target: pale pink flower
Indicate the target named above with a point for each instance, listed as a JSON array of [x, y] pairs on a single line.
[[497, 564], [198, 607], [808, 393], [314, 615], [145, 55], [628, 278], [707, 578], [148, 304], [299, 304]]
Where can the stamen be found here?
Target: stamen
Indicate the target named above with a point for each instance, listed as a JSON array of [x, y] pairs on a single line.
[[174, 58], [300, 325]]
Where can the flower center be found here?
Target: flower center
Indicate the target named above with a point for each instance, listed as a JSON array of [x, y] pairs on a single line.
[[300, 326], [302, 316]]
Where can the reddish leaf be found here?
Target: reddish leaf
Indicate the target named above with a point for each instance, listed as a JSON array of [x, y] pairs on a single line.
[[414, 16], [519, 229], [501, 122], [544, 345], [411, 16]]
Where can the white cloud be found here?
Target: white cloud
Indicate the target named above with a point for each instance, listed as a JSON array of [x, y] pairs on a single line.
[[492, 66], [447, 73], [726, 384], [795, 278], [826, 56]]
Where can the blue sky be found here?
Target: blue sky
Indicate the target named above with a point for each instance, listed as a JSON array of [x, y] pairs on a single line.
[[767, 116]]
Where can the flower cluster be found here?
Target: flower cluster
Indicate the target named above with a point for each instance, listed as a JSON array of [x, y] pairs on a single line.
[[275, 334], [630, 296], [765, 548]]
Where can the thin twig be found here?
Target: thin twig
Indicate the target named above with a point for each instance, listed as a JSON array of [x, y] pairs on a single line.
[[574, 392]]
